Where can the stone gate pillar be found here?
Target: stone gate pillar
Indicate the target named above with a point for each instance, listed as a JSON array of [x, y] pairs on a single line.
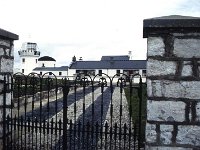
[[6, 69], [173, 83]]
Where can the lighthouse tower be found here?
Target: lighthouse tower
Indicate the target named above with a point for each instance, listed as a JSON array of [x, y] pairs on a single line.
[[29, 57]]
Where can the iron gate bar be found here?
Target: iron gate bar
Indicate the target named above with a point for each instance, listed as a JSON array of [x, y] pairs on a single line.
[[39, 125], [65, 96]]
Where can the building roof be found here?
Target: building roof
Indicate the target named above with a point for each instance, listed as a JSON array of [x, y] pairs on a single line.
[[46, 58], [62, 68], [108, 58], [8, 34], [130, 64]]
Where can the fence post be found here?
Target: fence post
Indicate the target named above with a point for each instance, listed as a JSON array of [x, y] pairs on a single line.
[[6, 68], [173, 82]]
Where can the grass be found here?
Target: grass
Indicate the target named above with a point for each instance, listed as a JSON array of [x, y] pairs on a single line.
[[133, 102]]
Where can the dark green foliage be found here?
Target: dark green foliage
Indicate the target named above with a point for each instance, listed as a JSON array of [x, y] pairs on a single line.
[[133, 102]]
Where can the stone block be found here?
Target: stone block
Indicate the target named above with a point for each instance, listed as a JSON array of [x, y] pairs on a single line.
[[187, 48], [149, 88], [1, 51], [151, 134], [166, 111], [7, 50], [166, 134], [1, 87], [156, 88], [198, 112], [165, 148], [155, 46], [188, 134], [6, 65], [5, 42], [187, 69], [12, 51], [159, 68], [175, 89]]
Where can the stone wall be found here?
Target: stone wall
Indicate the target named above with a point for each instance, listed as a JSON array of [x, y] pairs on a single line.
[[6, 70], [173, 84]]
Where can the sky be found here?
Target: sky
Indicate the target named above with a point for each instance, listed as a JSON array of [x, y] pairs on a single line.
[[87, 28]]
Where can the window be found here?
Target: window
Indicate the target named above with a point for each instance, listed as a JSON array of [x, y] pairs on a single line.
[[118, 72], [144, 73], [100, 72], [90, 72], [50, 73], [36, 61], [60, 73], [23, 60], [22, 70], [77, 71]]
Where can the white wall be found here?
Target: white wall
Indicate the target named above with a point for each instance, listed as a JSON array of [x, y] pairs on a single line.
[[109, 72], [29, 64], [47, 63], [56, 73]]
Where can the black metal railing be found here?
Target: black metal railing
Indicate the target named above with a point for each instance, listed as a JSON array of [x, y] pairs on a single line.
[[85, 114]]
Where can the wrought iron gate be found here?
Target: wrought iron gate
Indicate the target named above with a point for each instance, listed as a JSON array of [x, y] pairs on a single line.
[[86, 113]]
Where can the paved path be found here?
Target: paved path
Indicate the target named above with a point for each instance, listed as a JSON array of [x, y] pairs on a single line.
[[97, 101]]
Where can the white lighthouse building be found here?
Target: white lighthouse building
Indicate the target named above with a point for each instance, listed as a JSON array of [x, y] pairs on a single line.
[[29, 57]]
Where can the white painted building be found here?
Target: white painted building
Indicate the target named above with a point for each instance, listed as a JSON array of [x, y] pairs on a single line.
[[59, 72], [46, 61], [28, 57], [113, 66], [32, 62], [109, 65]]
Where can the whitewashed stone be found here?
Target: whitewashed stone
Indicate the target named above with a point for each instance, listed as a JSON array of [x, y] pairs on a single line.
[[198, 111], [187, 48], [157, 89], [155, 46], [151, 134], [176, 89], [166, 134], [183, 89], [6, 65], [165, 148], [149, 88], [159, 68], [187, 70], [188, 134], [166, 111]]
